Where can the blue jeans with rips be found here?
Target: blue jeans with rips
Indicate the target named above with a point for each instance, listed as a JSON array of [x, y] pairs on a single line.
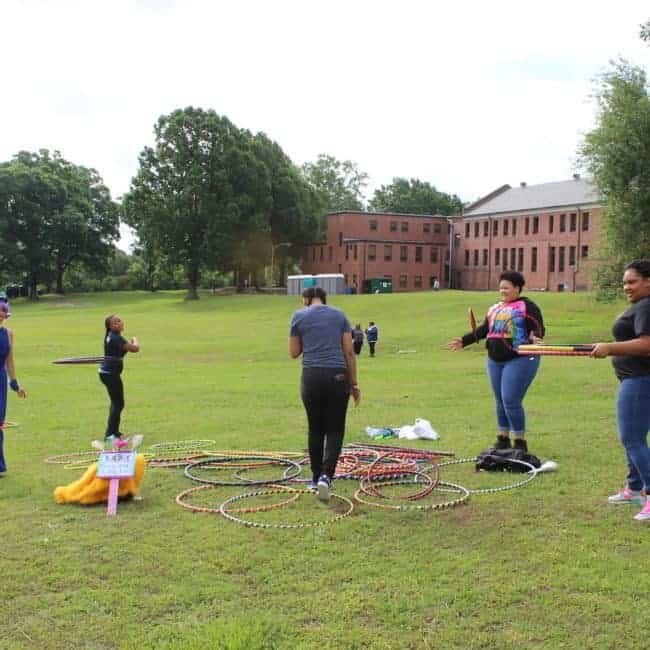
[[633, 415], [510, 381]]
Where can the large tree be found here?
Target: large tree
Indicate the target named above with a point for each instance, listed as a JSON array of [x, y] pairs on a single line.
[[54, 213], [414, 197], [340, 184], [197, 190], [645, 31], [617, 154]]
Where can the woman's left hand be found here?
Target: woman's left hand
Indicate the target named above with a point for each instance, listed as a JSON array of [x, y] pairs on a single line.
[[356, 395], [21, 393], [600, 351], [536, 340]]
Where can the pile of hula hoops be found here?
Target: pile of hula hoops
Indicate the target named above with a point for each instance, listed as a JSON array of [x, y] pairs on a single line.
[[386, 477]]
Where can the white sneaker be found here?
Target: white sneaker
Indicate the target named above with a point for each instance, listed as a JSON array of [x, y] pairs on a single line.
[[323, 487]]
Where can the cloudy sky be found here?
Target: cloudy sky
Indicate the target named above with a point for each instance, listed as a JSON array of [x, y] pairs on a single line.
[[467, 95]]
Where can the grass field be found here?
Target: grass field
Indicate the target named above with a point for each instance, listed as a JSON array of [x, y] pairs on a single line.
[[548, 566]]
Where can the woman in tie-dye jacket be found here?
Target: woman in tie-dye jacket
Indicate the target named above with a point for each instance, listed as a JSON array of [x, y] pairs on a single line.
[[513, 321]]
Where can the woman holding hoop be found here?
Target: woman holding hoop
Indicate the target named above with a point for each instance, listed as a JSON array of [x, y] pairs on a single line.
[[110, 371], [322, 334], [7, 370], [513, 321], [631, 361]]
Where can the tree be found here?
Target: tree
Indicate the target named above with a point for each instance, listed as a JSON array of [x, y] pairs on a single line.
[[645, 32], [196, 190], [54, 213], [339, 184], [617, 154], [414, 197]]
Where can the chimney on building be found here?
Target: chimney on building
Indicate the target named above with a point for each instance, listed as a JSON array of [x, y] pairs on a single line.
[[576, 177], [522, 184]]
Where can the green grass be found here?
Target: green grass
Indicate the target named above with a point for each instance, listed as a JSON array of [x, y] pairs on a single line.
[[547, 566]]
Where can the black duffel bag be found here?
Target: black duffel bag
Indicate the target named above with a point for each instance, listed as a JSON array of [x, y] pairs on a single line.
[[501, 460]]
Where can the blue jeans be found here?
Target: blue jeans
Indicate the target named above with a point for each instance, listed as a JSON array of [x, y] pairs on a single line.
[[510, 381], [633, 415]]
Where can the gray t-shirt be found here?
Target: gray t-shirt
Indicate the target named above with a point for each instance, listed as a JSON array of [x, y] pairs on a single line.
[[320, 329]]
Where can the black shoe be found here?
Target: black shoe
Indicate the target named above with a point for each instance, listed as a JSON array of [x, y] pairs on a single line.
[[520, 443], [503, 442]]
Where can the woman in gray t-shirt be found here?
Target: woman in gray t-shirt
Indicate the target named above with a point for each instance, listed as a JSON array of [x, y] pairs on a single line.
[[322, 334]]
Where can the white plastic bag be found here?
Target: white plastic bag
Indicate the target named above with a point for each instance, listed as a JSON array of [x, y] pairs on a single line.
[[423, 429], [407, 432]]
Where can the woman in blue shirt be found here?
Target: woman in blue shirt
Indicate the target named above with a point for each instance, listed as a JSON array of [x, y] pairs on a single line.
[[6, 369], [322, 334], [110, 371]]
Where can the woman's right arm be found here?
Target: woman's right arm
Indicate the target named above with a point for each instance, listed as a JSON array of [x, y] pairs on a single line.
[[132, 345], [351, 361], [295, 347]]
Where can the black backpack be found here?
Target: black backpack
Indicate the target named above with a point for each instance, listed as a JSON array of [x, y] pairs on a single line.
[[500, 460]]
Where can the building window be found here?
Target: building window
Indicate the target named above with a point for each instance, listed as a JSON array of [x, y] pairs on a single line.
[[486, 227], [505, 227], [572, 256], [345, 279], [527, 226], [535, 225], [426, 227], [551, 259], [513, 258], [585, 252], [313, 254], [495, 228], [585, 221], [466, 258], [476, 229], [330, 254], [433, 257], [340, 268], [476, 257], [437, 228], [393, 226], [354, 280], [403, 281], [520, 260], [372, 252], [403, 253], [373, 224], [560, 259], [322, 253], [505, 258], [533, 259], [418, 281], [466, 231], [405, 226], [485, 257], [550, 223], [340, 239], [355, 251], [563, 223], [514, 227], [347, 252], [418, 253], [388, 253], [497, 256], [573, 222]]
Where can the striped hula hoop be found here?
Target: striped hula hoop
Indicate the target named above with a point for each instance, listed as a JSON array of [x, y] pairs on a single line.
[[215, 461], [532, 471], [443, 486]]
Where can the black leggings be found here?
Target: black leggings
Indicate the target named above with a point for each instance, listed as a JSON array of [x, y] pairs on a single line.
[[115, 390], [325, 393]]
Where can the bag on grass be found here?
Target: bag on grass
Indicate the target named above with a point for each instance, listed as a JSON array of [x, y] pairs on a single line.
[[500, 460]]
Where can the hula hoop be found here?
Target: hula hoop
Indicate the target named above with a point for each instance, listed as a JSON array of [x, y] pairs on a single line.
[[8, 425], [512, 486], [373, 488], [180, 501], [84, 360], [72, 457], [218, 460], [442, 486], [181, 445], [225, 511]]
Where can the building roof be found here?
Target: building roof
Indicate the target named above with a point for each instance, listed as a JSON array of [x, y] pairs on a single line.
[[578, 191], [389, 214]]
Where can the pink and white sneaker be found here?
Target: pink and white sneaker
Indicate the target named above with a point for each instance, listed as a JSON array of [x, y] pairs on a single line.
[[628, 496], [644, 514]]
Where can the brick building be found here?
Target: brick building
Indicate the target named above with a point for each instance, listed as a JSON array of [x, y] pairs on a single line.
[[410, 249], [545, 231]]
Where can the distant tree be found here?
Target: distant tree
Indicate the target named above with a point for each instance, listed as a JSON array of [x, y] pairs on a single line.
[[617, 154], [414, 197], [339, 184], [645, 31], [195, 189]]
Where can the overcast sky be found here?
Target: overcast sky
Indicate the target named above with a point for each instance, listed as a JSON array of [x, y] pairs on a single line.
[[467, 95]]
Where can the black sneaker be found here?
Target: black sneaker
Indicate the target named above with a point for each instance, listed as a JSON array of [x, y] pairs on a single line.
[[520, 443], [503, 442]]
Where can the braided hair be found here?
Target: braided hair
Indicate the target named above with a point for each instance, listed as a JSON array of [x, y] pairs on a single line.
[[642, 267], [315, 292]]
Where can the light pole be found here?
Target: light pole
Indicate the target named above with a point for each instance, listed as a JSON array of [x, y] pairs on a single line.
[[273, 247]]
